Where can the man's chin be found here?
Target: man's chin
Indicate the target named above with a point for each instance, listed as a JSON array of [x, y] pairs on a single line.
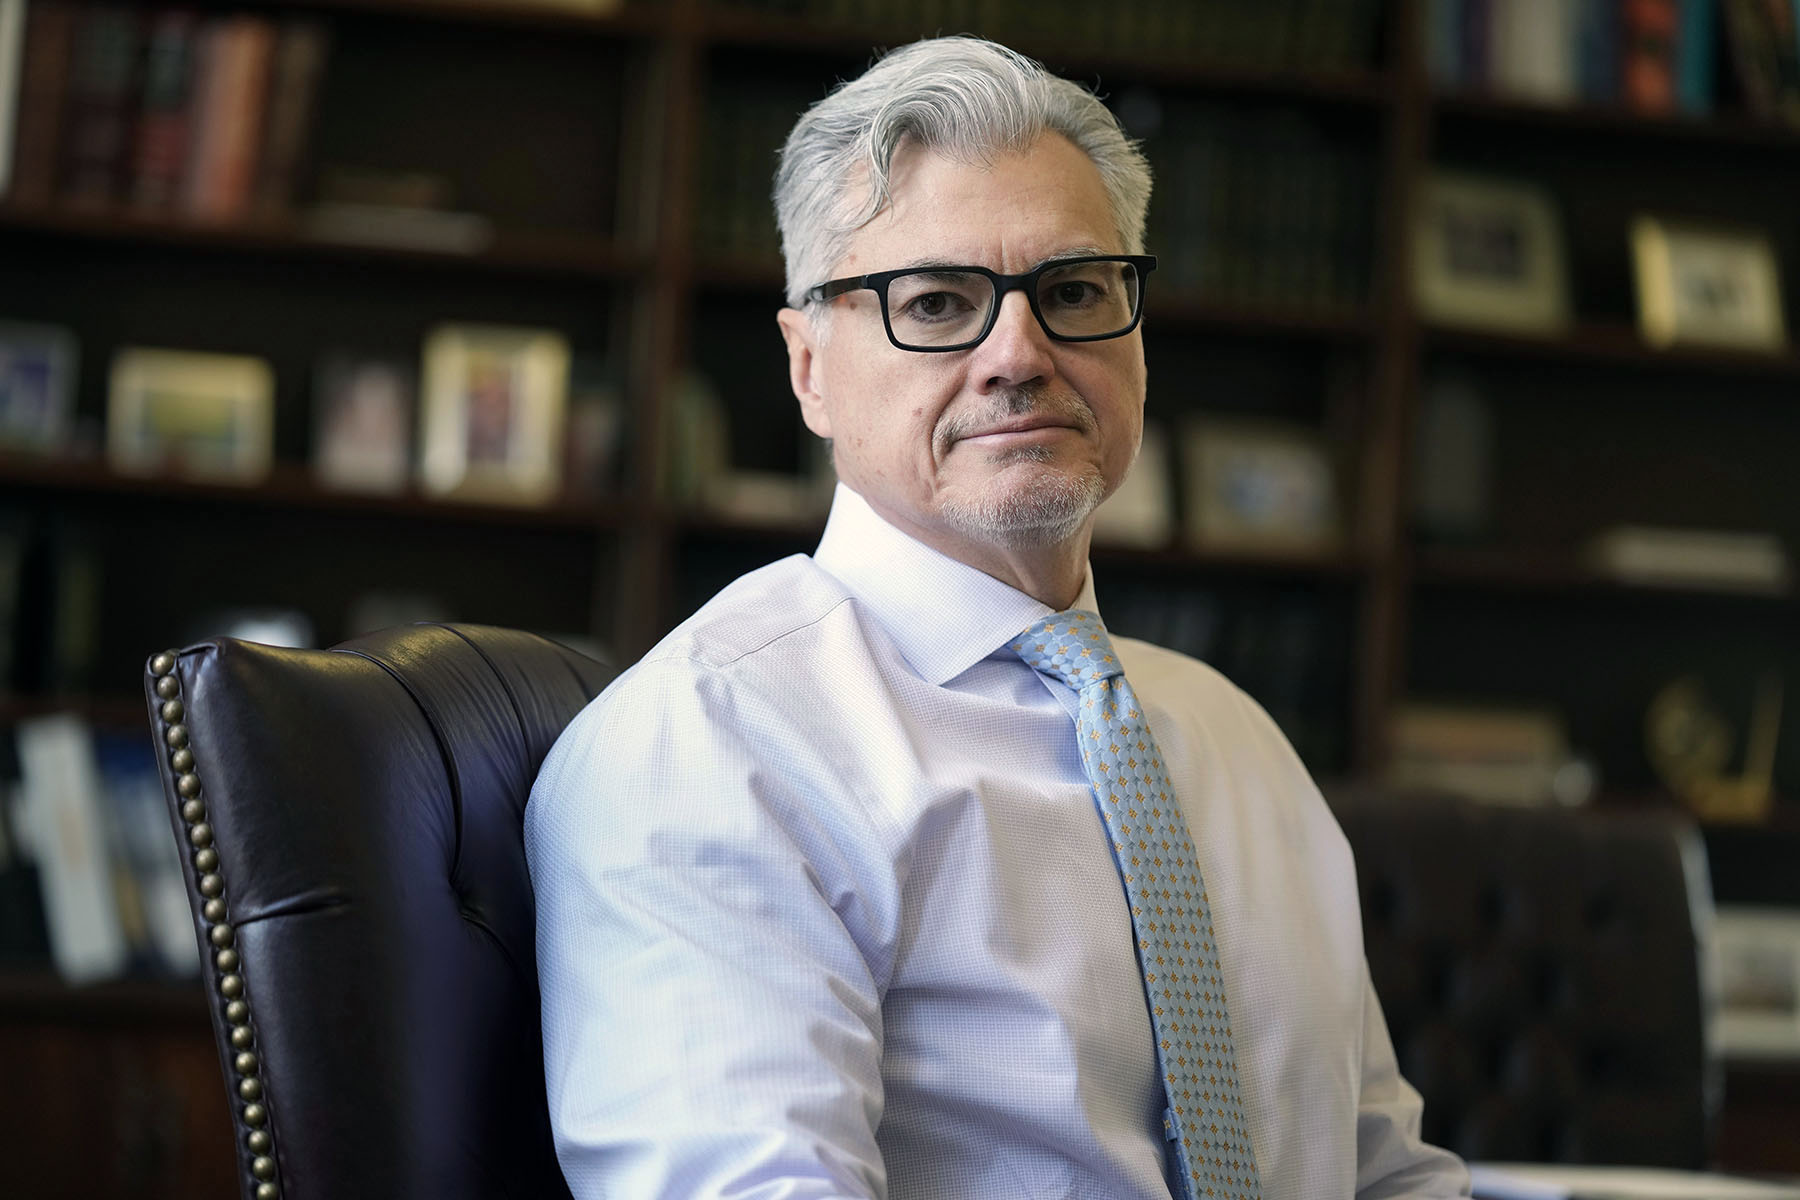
[[1026, 504]]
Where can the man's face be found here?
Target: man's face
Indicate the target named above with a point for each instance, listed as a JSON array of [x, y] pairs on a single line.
[[1006, 445]]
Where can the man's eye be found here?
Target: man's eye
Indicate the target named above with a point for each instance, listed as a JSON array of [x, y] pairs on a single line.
[[1073, 293], [934, 304]]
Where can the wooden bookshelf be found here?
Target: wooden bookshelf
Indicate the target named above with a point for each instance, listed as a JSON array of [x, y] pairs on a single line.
[[626, 269]]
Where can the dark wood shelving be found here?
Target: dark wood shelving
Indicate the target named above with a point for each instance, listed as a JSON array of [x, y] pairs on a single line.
[[1341, 565], [729, 27], [528, 252], [106, 712], [636, 18], [1562, 571], [1613, 345], [291, 486], [27, 995], [1615, 123]]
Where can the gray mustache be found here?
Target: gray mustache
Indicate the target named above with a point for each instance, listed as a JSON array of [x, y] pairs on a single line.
[[1031, 398]]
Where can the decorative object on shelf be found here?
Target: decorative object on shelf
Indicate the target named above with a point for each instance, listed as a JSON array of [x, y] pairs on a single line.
[[205, 416], [1492, 754], [1142, 511], [1255, 485], [1766, 52], [37, 386], [1453, 461], [362, 423], [1690, 744], [1757, 953], [597, 428], [1698, 558], [1704, 285], [1488, 253], [492, 422]]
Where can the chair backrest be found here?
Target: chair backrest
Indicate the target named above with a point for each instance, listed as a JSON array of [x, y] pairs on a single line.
[[352, 827], [1540, 972]]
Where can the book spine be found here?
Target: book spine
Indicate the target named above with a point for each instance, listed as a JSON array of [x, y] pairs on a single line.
[[162, 128], [1598, 55], [97, 140], [1695, 47], [293, 91], [12, 53], [1647, 61]]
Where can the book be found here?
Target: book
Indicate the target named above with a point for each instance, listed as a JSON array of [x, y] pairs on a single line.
[[163, 119], [230, 95], [96, 136], [1533, 46], [43, 84], [12, 71], [61, 794], [1647, 60], [1693, 558], [300, 52], [1766, 54], [1695, 48]]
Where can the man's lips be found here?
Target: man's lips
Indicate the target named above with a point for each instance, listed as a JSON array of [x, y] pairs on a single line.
[[1017, 429]]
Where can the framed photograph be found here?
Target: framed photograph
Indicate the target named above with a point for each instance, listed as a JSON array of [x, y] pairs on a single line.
[[1488, 253], [491, 428], [362, 423], [1757, 957], [1706, 286], [205, 416], [1142, 512], [1256, 485], [37, 386]]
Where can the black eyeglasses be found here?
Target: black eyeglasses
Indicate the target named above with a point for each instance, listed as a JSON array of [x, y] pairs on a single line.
[[938, 309]]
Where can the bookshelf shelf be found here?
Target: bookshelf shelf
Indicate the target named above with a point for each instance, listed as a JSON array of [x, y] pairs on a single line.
[[27, 995], [105, 712], [634, 19], [1614, 124], [1561, 572], [1613, 345], [737, 28], [526, 252], [1190, 312], [291, 487], [1328, 565]]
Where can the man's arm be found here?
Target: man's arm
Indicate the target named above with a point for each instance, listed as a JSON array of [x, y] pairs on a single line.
[[712, 1023], [1392, 1163]]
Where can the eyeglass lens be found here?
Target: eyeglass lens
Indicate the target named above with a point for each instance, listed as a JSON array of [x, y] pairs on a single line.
[[934, 307]]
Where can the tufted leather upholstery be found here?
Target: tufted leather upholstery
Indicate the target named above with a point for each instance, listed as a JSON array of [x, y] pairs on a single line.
[[364, 805], [1539, 969]]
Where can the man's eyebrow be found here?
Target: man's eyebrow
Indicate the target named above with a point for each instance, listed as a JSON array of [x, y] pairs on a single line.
[[943, 264]]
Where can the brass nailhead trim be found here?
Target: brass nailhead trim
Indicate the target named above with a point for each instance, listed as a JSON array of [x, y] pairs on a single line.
[[258, 1139]]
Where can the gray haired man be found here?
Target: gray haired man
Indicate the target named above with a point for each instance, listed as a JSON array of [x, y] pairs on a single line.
[[888, 873]]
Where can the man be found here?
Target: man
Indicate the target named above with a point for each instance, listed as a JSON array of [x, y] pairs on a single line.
[[876, 878]]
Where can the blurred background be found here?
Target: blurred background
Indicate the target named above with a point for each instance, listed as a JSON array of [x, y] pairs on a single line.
[[1472, 408]]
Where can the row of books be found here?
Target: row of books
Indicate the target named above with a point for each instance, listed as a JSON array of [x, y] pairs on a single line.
[[1260, 207], [744, 131], [168, 110], [1316, 34], [91, 871], [1652, 56]]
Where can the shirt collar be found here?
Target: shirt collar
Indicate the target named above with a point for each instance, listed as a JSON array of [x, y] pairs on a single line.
[[944, 616]]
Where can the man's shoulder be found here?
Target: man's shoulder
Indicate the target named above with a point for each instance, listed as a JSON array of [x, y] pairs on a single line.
[[757, 613]]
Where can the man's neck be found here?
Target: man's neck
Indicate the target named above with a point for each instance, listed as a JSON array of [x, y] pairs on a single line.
[[1051, 573]]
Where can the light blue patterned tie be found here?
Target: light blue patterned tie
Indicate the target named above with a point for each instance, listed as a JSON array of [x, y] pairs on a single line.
[[1169, 907]]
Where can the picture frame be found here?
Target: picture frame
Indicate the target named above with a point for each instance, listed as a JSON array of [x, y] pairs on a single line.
[[1259, 486], [362, 422], [492, 405], [1707, 286], [199, 415], [1141, 513], [38, 364], [1756, 959], [1488, 254]]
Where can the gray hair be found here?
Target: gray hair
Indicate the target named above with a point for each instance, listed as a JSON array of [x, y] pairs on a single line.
[[961, 97]]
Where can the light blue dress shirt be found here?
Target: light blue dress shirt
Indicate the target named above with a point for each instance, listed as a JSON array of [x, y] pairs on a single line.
[[825, 910]]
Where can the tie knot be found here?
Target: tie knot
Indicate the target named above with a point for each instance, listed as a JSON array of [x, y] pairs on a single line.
[[1071, 646]]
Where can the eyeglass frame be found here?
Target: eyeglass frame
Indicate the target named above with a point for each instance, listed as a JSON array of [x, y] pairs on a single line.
[[878, 281]]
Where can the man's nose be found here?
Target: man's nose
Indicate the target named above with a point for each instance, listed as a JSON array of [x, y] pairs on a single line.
[[1016, 350]]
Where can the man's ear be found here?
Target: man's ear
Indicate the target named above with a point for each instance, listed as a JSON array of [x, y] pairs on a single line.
[[803, 368]]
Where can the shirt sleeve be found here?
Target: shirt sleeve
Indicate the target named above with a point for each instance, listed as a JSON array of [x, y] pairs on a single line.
[[1392, 1163], [707, 897]]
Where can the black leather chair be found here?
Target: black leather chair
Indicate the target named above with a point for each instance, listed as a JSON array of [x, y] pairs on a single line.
[[1541, 974], [352, 827]]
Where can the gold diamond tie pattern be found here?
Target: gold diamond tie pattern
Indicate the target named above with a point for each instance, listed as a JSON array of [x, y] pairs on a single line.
[[1169, 908]]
